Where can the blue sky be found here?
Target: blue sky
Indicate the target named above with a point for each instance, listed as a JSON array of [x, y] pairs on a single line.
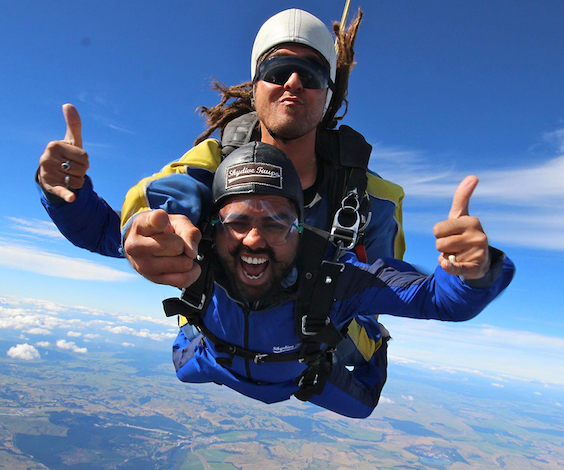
[[442, 89]]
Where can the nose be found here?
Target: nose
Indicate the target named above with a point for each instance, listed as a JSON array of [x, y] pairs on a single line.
[[254, 239], [294, 83]]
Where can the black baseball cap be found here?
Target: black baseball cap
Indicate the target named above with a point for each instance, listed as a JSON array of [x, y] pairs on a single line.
[[258, 168]]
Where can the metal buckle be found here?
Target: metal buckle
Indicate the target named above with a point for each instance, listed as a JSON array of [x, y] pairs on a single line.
[[342, 231], [259, 358], [314, 382], [307, 333], [335, 263], [197, 307]]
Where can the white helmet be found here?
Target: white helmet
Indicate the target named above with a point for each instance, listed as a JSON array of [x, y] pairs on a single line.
[[299, 27]]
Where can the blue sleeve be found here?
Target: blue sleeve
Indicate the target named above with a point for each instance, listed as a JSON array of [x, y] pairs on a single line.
[[188, 194], [396, 288], [89, 222]]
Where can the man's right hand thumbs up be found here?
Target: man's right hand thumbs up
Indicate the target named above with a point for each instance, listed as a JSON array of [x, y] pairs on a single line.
[[64, 163]]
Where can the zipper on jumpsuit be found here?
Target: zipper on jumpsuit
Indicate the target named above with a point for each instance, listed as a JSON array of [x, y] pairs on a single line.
[[246, 312]]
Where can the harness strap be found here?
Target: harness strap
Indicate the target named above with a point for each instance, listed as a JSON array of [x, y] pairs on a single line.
[[318, 281], [313, 379], [194, 299], [179, 306]]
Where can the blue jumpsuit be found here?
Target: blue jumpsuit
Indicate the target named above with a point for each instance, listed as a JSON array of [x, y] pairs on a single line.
[[387, 287]]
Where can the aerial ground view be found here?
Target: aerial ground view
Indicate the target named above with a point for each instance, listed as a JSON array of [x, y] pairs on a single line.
[[96, 401], [440, 89]]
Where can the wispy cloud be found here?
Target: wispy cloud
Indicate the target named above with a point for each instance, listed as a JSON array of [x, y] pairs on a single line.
[[521, 206], [115, 127], [38, 331], [102, 108], [71, 346], [33, 259], [471, 347], [37, 227]]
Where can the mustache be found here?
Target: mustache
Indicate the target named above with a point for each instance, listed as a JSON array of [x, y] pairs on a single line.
[[238, 250]]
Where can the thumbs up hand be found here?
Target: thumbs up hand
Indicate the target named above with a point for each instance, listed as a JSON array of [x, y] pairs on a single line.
[[461, 238], [63, 164]]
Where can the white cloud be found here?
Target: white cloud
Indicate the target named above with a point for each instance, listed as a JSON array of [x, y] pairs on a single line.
[[43, 344], [70, 345], [127, 345], [74, 334], [142, 333], [25, 352], [407, 397], [91, 335], [32, 259], [498, 385], [120, 330], [38, 331], [26, 321], [385, 400]]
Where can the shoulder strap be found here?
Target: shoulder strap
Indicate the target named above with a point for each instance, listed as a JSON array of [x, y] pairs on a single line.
[[318, 280], [349, 206], [238, 132], [349, 211]]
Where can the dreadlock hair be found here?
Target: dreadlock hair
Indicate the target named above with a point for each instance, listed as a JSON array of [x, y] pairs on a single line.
[[221, 114], [345, 63]]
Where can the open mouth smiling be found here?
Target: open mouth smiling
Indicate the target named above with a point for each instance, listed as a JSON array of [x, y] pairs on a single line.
[[254, 267]]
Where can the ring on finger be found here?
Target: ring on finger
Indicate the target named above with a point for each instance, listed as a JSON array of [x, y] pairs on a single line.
[[452, 259], [67, 180], [65, 166]]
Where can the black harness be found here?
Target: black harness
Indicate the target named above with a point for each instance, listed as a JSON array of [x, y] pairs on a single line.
[[318, 266]]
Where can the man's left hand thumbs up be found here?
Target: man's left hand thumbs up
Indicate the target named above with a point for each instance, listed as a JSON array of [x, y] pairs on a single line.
[[461, 238]]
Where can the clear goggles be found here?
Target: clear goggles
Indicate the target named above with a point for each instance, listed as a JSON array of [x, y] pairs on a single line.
[[276, 222], [278, 69]]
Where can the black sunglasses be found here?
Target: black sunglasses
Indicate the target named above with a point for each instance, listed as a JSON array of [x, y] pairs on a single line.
[[278, 70]]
